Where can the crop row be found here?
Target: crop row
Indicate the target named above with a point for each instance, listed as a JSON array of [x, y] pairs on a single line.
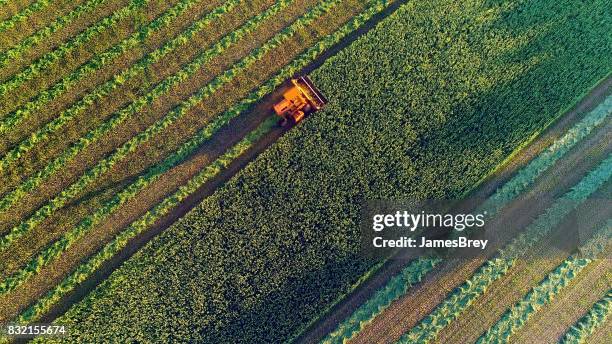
[[542, 294], [152, 174], [65, 48], [396, 287], [399, 123], [525, 177], [548, 157], [32, 8], [116, 119], [96, 63], [592, 320], [463, 296], [86, 269], [122, 115]]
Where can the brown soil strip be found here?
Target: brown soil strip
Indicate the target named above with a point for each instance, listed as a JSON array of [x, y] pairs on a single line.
[[602, 335], [36, 22], [48, 278], [396, 320], [13, 7], [89, 199], [101, 109], [98, 44], [550, 323], [527, 273]]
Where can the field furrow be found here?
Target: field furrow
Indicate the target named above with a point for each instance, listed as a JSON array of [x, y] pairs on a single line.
[[66, 116], [24, 14], [92, 101], [542, 259], [496, 268], [141, 154], [543, 293], [160, 125], [152, 174], [15, 52], [99, 61], [218, 122], [594, 318], [523, 180], [343, 154], [126, 172], [551, 323], [13, 56]]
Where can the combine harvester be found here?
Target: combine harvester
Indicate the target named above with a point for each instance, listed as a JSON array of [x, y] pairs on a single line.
[[301, 99]]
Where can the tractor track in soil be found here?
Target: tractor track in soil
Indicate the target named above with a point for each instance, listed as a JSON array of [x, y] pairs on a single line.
[[239, 127], [224, 139]]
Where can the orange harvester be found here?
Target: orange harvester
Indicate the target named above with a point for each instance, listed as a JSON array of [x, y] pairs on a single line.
[[301, 99]]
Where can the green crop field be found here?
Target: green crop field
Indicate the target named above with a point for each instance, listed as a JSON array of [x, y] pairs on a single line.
[[147, 192]]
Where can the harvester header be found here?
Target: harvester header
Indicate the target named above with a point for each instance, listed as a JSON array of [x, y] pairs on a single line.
[[300, 99]]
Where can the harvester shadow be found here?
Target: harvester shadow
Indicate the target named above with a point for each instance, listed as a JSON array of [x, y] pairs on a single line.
[[223, 139], [477, 137], [230, 134]]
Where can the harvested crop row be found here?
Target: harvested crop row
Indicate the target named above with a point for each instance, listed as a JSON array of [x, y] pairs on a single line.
[[506, 193], [115, 120], [593, 319], [65, 48], [549, 157], [345, 153], [99, 61], [16, 51], [542, 294], [394, 289], [24, 14], [152, 174], [496, 268], [85, 270], [132, 109], [152, 152]]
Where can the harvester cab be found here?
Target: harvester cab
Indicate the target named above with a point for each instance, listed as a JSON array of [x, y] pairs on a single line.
[[300, 99]]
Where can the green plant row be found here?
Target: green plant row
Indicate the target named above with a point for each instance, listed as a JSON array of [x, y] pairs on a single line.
[[542, 294], [61, 245], [395, 288], [592, 320], [85, 270], [401, 122], [118, 118], [149, 218], [65, 48], [463, 296], [549, 157], [24, 14], [96, 63], [508, 192], [39, 36]]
